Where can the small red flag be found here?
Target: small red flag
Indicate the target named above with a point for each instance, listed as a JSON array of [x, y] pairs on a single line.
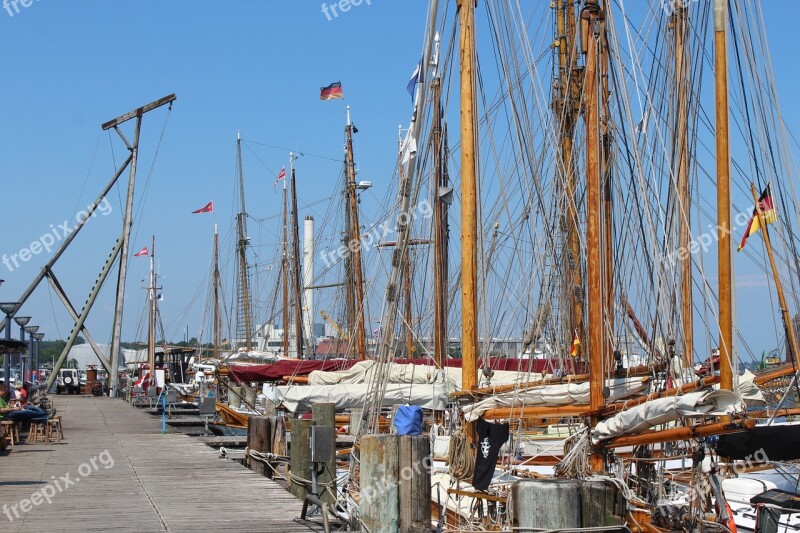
[[141, 252], [208, 208], [281, 175]]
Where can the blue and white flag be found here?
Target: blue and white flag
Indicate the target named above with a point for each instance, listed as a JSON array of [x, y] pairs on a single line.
[[416, 77]]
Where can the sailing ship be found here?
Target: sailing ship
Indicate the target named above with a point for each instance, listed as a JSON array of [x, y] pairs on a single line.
[[595, 265]]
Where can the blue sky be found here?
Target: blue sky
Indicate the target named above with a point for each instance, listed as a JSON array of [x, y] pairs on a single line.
[[250, 66]]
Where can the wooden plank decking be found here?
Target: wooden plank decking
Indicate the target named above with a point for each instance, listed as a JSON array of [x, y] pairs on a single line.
[[126, 476]]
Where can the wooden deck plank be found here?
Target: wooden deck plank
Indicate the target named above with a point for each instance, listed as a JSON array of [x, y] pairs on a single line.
[[157, 482]]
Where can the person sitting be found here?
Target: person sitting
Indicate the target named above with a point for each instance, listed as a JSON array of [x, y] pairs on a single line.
[[24, 415], [21, 394]]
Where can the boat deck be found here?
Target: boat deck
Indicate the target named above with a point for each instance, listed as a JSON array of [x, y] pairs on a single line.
[[116, 471]]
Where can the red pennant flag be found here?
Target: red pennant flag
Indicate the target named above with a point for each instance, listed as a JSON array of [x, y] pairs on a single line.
[[281, 176], [141, 252], [208, 208]]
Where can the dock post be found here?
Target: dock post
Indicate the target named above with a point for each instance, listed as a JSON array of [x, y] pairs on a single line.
[[324, 414], [300, 455], [379, 483], [415, 483], [279, 446], [259, 439]]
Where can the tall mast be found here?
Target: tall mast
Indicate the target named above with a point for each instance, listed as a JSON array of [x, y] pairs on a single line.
[[726, 350], [244, 297], [406, 279], [681, 163], [285, 271], [350, 286], [355, 244], [605, 169], [591, 43], [440, 231], [151, 323], [566, 109], [217, 315], [298, 291], [469, 202]]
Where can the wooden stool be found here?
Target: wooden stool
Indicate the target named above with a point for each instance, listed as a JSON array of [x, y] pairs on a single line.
[[11, 430], [38, 431], [54, 429]]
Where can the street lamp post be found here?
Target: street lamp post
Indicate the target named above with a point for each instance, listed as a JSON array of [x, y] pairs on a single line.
[[9, 308], [38, 336], [26, 376], [22, 321]]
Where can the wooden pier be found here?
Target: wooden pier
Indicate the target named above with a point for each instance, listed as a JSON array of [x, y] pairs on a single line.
[[116, 471]]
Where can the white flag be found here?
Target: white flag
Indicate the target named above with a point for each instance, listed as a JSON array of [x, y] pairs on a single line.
[[408, 147]]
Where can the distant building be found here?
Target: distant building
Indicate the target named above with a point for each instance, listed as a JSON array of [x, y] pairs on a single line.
[[85, 356]]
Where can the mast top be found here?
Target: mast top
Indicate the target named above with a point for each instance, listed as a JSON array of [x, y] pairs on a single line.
[[348, 116], [215, 228], [238, 135], [720, 14]]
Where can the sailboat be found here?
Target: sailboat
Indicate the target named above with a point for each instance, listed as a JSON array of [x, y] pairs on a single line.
[[601, 243]]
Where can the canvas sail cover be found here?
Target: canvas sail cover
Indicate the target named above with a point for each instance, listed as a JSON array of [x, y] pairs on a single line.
[[363, 372], [347, 396], [664, 410], [554, 395]]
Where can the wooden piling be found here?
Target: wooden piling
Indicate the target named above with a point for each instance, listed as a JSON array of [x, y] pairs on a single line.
[[259, 439], [378, 507], [324, 414], [414, 497], [279, 445], [300, 455]]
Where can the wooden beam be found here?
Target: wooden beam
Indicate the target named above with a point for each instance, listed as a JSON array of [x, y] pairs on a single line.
[[692, 432], [547, 411], [139, 111]]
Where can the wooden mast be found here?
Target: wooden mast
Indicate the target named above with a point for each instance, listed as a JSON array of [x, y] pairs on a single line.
[[607, 190], [787, 318], [355, 244], [217, 315], [285, 273], [469, 204], [242, 249], [298, 292], [440, 232], [151, 323], [407, 290], [566, 109], [726, 351], [681, 166], [591, 43]]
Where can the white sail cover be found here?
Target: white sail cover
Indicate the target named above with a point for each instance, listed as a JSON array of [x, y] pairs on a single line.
[[554, 395], [347, 396], [664, 410], [363, 372]]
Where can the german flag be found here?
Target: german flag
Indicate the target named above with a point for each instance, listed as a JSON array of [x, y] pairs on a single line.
[[331, 92], [767, 207]]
